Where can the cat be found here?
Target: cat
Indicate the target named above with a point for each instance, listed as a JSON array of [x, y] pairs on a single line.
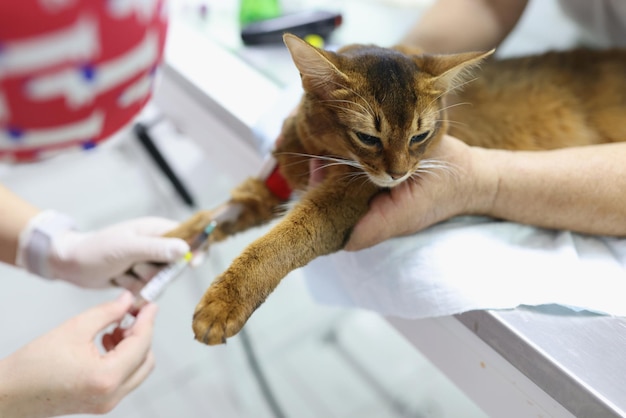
[[373, 113]]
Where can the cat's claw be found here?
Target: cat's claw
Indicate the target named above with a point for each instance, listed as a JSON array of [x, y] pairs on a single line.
[[217, 317]]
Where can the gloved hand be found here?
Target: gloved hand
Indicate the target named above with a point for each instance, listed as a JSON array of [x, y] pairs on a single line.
[[50, 248]]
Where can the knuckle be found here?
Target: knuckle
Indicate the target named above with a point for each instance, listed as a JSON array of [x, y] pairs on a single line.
[[102, 386]]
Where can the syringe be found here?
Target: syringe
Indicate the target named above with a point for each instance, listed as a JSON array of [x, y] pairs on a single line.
[[155, 287]]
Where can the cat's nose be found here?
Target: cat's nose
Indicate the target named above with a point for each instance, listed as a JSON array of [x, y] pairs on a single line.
[[395, 175]]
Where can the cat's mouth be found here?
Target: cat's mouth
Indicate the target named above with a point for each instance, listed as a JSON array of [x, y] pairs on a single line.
[[387, 181]]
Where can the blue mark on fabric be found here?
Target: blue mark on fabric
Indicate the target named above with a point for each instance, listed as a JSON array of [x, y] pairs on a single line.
[[88, 72], [15, 133], [89, 144]]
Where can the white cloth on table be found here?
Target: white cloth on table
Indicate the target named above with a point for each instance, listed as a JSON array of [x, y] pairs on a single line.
[[472, 263]]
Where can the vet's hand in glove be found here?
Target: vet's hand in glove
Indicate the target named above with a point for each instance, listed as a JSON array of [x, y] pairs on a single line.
[[51, 248]]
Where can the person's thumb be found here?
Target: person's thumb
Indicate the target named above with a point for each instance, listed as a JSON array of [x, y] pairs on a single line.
[[374, 227], [101, 316]]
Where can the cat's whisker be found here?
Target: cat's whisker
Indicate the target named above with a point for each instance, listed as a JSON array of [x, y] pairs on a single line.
[[452, 88], [356, 116], [454, 105], [438, 111], [297, 154], [340, 160], [371, 111], [453, 122], [329, 161], [355, 177], [293, 163], [437, 168], [331, 103]]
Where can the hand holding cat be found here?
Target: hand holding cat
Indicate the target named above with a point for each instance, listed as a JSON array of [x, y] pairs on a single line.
[[560, 189], [461, 186], [91, 259], [79, 379]]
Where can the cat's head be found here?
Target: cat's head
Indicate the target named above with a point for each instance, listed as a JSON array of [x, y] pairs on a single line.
[[379, 107]]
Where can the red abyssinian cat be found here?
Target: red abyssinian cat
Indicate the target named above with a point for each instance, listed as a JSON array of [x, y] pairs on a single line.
[[373, 114]]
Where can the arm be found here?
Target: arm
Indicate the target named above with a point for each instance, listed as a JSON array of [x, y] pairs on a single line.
[[582, 189], [63, 372], [464, 25], [87, 259], [15, 214]]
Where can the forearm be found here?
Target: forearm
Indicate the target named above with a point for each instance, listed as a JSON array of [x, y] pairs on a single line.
[[15, 213], [19, 398], [464, 25], [581, 189]]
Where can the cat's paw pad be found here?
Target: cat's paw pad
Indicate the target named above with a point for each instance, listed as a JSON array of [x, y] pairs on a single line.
[[218, 317]]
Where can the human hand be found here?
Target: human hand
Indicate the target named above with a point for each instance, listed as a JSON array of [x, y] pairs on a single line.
[[92, 259], [64, 372], [460, 182]]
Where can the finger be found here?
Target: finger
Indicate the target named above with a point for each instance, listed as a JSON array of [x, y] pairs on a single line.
[[96, 319], [129, 354], [373, 227], [107, 342], [146, 271], [364, 235], [317, 171], [155, 249], [129, 282], [198, 258], [112, 339], [152, 225], [134, 379]]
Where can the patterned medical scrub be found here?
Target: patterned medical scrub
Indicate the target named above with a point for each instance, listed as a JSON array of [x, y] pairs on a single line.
[[74, 72]]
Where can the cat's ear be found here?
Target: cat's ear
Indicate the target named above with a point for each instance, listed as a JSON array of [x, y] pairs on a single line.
[[319, 75], [450, 70]]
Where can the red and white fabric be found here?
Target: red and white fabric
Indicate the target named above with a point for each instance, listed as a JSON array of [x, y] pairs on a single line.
[[74, 72]]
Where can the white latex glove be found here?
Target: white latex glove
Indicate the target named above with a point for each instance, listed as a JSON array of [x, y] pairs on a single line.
[[92, 259]]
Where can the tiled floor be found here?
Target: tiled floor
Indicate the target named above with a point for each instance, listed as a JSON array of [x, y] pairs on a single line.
[[319, 361]]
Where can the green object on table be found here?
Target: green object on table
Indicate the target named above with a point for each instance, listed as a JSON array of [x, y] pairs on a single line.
[[255, 10]]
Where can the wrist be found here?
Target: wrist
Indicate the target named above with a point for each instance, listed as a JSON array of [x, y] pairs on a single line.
[[485, 181], [19, 397], [35, 243]]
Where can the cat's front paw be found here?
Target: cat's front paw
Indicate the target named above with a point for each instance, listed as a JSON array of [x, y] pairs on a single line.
[[220, 314]]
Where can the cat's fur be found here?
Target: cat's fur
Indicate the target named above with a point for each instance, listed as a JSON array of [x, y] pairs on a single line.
[[375, 113]]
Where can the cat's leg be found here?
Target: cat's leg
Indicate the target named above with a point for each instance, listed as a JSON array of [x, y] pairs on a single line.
[[319, 224], [251, 203], [255, 203]]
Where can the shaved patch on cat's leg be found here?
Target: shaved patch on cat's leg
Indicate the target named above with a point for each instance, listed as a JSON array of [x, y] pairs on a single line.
[[192, 227], [257, 206]]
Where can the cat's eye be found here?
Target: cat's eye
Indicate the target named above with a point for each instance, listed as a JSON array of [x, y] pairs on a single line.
[[368, 139], [416, 139]]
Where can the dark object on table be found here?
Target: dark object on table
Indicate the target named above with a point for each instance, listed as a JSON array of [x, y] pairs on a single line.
[[302, 24]]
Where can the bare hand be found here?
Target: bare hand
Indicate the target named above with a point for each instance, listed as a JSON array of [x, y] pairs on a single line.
[[64, 372], [455, 185]]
